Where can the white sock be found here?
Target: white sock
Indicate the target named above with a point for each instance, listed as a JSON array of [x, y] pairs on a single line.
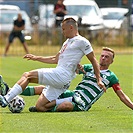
[[16, 90], [59, 101]]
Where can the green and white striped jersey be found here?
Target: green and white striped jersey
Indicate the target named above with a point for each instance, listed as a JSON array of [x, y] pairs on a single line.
[[88, 88]]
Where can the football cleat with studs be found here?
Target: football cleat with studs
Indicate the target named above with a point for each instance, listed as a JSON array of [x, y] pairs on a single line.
[[3, 101], [33, 109], [3, 87]]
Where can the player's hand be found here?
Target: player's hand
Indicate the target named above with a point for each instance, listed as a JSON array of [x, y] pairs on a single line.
[[80, 68], [101, 85], [30, 57]]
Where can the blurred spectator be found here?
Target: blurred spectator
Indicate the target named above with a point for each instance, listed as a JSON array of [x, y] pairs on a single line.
[[125, 2], [60, 11], [19, 25]]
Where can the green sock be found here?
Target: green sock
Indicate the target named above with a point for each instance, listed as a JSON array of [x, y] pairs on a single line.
[[29, 91], [54, 109]]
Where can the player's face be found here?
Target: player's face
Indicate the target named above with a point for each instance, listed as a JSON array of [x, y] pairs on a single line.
[[106, 58], [67, 30]]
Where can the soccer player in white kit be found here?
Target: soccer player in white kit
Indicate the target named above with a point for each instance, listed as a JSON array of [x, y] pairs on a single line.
[[58, 79]]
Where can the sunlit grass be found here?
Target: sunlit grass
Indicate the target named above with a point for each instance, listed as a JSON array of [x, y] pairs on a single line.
[[107, 115]]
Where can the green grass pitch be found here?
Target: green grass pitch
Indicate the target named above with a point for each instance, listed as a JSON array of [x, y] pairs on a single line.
[[107, 115]]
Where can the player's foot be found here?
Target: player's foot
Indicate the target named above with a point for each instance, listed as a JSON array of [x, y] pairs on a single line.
[[3, 87], [32, 109], [3, 101], [77, 99]]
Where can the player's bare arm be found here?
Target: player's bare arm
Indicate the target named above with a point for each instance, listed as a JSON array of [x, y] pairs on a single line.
[[16, 28], [95, 64], [124, 98], [49, 59]]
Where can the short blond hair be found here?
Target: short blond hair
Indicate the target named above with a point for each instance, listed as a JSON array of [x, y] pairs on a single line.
[[110, 50]]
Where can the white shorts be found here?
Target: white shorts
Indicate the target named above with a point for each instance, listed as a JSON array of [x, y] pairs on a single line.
[[52, 76], [52, 93], [56, 81]]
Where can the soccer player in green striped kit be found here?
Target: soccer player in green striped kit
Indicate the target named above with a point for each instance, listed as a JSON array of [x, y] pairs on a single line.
[[87, 91]]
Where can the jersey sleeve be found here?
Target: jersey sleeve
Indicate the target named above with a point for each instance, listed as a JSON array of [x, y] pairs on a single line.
[[85, 46], [114, 82], [116, 87], [113, 79]]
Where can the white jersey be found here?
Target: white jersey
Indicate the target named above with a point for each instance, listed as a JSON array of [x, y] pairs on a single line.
[[57, 80], [71, 53]]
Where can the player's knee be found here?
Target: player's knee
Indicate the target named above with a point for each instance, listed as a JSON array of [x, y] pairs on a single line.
[[41, 103], [25, 74]]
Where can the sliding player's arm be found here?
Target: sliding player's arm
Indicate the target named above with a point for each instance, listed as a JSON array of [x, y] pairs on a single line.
[[123, 97]]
